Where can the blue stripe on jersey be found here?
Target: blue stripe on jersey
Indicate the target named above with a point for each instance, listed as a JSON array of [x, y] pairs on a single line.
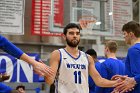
[[56, 86], [72, 56]]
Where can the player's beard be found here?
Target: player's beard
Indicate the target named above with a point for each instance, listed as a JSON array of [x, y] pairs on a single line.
[[72, 43]]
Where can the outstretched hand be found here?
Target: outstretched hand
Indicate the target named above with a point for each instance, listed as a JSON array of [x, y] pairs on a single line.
[[42, 69], [39, 67]]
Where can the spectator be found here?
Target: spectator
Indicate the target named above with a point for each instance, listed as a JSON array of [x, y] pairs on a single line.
[[20, 89]]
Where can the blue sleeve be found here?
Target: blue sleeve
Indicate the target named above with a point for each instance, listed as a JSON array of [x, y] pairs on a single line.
[[134, 57], [97, 66], [99, 89], [10, 48], [91, 84], [4, 88], [104, 74]]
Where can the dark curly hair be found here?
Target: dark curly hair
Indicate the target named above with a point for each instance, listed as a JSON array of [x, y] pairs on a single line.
[[132, 26], [20, 86], [70, 25]]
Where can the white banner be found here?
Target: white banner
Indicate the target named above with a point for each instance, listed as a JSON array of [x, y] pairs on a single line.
[[12, 17]]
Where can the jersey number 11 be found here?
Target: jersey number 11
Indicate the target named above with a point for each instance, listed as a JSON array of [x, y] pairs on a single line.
[[77, 76]]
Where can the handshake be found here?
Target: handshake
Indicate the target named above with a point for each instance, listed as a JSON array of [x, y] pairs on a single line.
[[4, 77], [124, 84]]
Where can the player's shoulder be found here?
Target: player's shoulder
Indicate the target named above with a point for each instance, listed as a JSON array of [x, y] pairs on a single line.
[[108, 60], [134, 48], [56, 53]]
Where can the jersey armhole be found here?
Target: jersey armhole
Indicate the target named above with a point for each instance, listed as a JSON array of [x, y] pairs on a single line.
[[60, 59], [87, 58]]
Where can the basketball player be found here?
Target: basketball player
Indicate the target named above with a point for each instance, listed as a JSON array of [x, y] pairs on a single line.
[[131, 32], [72, 66], [111, 66]]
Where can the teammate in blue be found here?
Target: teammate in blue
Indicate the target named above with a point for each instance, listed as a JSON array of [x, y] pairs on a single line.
[[131, 32], [11, 49], [111, 66], [93, 54], [72, 66]]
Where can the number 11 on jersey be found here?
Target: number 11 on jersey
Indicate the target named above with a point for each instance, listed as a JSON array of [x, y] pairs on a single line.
[[77, 76]]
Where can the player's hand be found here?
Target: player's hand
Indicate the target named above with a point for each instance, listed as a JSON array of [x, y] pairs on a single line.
[[115, 77], [126, 85], [42, 69], [4, 77]]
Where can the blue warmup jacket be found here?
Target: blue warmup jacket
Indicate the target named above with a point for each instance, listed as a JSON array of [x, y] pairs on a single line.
[[132, 65], [109, 68]]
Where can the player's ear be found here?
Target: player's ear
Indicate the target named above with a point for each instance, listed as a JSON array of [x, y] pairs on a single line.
[[64, 36], [131, 34], [107, 49]]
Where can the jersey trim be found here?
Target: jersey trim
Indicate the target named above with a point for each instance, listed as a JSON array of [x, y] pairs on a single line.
[[72, 56], [60, 59], [56, 81], [87, 57]]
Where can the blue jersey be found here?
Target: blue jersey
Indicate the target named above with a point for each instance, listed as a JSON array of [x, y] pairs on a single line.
[[109, 68], [90, 80], [4, 88], [132, 64], [10, 48]]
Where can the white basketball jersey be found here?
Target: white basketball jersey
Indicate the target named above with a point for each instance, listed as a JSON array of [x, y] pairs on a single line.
[[72, 76]]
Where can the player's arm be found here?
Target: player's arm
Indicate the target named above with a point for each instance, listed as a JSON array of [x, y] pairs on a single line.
[[99, 81], [54, 63], [104, 74], [11, 49], [38, 67]]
